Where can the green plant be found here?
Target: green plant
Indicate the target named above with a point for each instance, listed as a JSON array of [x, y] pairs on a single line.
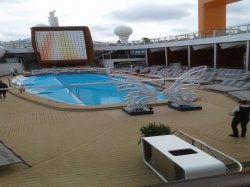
[[152, 129], [145, 40]]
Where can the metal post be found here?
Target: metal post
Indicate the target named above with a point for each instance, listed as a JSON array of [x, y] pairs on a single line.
[[247, 56], [214, 33], [146, 56], [215, 56], [166, 56], [189, 56]]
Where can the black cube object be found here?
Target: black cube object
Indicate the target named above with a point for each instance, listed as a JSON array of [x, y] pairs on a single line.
[[181, 108], [141, 111]]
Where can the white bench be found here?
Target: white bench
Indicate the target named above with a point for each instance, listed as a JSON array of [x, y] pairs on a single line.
[[172, 158]]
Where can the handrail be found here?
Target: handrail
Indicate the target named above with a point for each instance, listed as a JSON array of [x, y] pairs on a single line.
[[90, 83], [70, 70], [210, 149], [239, 29]]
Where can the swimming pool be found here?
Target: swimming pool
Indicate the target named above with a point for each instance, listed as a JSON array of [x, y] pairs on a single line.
[[68, 88]]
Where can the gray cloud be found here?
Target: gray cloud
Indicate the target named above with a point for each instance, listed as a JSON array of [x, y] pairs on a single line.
[[11, 1], [151, 12], [14, 35], [97, 28], [106, 30], [99, 32], [181, 30], [237, 20], [238, 13], [239, 8]]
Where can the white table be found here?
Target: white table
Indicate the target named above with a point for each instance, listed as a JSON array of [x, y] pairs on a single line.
[[172, 158]]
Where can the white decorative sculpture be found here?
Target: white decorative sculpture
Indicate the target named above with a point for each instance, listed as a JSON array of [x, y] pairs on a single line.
[[180, 92], [138, 95]]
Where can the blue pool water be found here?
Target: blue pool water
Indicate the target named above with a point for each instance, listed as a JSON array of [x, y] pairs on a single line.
[[57, 88]]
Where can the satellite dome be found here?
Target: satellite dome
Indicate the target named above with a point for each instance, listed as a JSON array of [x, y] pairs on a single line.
[[123, 32], [2, 51], [41, 25]]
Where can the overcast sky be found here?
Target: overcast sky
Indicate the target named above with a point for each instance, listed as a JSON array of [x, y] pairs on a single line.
[[148, 18]]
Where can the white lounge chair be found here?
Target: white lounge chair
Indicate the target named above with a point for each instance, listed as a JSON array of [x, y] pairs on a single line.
[[241, 95], [8, 156], [227, 85]]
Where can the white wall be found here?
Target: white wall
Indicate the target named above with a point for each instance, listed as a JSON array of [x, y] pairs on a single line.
[[110, 62], [5, 68], [11, 60], [107, 63]]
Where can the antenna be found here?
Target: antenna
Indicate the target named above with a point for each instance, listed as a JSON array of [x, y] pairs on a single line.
[[53, 20]]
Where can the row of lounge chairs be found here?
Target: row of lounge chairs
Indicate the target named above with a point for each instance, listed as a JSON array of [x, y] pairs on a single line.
[[160, 71], [229, 85], [236, 82], [223, 74], [236, 88], [241, 95]]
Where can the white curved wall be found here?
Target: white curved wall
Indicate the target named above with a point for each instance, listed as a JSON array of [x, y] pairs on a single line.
[[2, 52], [5, 68], [111, 62]]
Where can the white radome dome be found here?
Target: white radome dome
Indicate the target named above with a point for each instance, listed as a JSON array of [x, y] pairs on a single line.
[[41, 25], [123, 32], [2, 51]]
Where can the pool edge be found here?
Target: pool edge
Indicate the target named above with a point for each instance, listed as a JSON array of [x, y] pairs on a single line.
[[67, 107]]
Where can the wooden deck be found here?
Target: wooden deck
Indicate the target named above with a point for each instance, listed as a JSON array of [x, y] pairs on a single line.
[[99, 148]]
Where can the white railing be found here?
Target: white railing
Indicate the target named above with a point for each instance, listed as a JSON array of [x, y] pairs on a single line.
[[240, 29], [70, 70], [232, 164], [189, 36]]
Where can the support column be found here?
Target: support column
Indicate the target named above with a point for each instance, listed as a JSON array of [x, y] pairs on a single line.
[[189, 56], [215, 56], [208, 11], [166, 56], [247, 56], [146, 56]]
